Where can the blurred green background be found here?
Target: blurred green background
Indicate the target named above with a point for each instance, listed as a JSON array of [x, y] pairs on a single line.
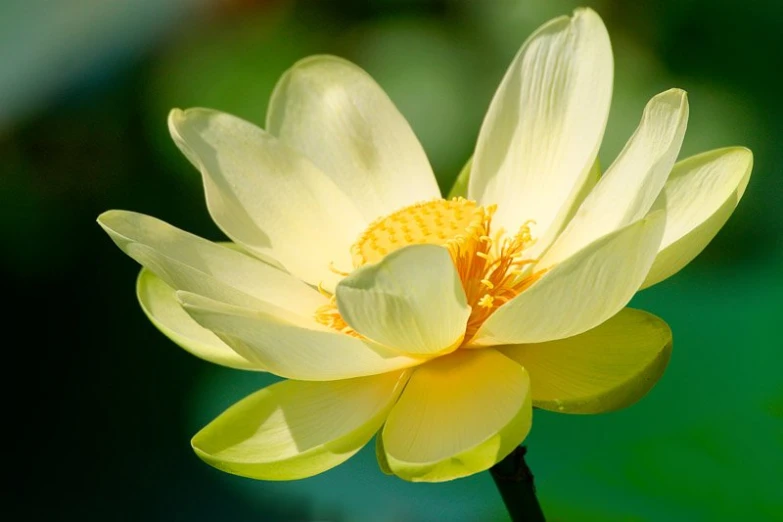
[[102, 406]]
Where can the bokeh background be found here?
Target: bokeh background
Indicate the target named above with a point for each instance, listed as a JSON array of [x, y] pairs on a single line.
[[101, 407]]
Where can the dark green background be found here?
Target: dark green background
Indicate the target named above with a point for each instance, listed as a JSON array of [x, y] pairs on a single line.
[[100, 407]]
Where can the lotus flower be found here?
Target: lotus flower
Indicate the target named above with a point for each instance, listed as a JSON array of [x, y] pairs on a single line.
[[437, 324]]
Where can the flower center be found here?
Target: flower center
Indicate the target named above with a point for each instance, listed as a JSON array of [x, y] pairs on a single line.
[[490, 263]]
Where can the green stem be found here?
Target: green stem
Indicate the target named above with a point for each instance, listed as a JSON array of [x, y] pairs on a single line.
[[514, 481]]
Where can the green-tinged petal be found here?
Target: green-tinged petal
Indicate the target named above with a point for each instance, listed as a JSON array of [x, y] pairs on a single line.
[[380, 455], [187, 262], [295, 429], [700, 195], [459, 414], [160, 304], [460, 187], [543, 129], [267, 197], [581, 292], [335, 114], [293, 348], [412, 300], [632, 183], [607, 368]]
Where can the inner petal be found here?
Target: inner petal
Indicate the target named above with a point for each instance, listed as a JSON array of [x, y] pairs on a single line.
[[491, 263]]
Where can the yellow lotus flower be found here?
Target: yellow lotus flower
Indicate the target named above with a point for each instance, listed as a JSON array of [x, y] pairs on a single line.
[[437, 324]]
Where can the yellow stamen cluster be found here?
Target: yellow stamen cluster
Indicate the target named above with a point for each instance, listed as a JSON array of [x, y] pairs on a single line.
[[329, 315], [490, 263]]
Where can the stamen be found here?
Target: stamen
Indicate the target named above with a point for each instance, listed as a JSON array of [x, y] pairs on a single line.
[[337, 271], [486, 301], [488, 283], [322, 290], [328, 315]]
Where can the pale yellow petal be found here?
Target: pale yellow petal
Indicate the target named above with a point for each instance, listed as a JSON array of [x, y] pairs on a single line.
[[160, 304], [593, 177], [581, 292], [267, 197], [700, 195], [335, 114], [568, 211], [412, 300], [541, 134], [607, 368], [294, 347], [295, 429], [187, 262], [459, 414], [460, 189], [632, 183]]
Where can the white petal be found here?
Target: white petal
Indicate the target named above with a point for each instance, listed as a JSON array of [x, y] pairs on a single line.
[[160, 304], [267, 197], [701, 194], [545, 124], [293, 348], [459, 414], [412, 301], [296, 429], [628, 189], [581, 292], [187, 262], [335, 114]]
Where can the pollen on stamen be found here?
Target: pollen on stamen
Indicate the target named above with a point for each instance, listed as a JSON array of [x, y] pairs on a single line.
[[487, 301]]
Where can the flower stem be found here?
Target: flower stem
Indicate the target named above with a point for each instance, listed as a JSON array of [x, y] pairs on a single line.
[[514, 481]]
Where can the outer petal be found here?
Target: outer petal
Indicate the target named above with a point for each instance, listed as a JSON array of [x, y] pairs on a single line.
[[632, 183], [293, 348], [294, 429], [335, 114], [412, 300], [607, 368], [159, 302], [188, 262], [701, 194], [581, 292], [459, 414], [266, 196], [545, 124], [380, 455]]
